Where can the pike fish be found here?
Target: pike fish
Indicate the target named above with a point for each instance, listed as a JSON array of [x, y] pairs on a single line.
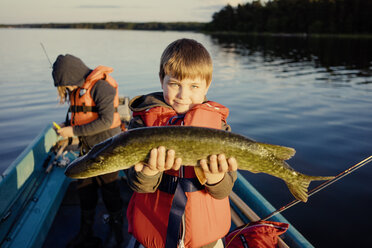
[[191, 144]]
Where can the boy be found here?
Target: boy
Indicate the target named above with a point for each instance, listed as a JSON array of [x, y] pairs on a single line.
[[93, 98], [169, 206]]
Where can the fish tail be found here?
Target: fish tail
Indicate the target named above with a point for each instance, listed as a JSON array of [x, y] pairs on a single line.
[[299, 188], [320, 178]]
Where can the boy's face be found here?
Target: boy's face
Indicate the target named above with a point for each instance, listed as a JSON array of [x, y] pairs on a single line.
[[184, 94]]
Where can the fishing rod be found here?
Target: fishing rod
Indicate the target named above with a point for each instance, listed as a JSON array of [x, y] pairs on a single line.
[[322, 186], [312, 192], [61, 150], [46, 54]]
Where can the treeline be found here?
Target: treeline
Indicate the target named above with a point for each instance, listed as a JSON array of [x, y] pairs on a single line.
[[176, 26], [296, 16], [273, 16]]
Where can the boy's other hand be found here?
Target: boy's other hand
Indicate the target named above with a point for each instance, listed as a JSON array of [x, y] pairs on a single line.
[[159, 161], [217, 167], [66, 132]]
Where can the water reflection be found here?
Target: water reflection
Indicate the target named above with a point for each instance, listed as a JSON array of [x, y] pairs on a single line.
[[299, 92], [337, 60]]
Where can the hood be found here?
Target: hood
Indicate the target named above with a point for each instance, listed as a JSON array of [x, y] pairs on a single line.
[[69, 70], [143, 102]]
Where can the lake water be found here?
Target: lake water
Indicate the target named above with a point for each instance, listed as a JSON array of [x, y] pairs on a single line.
[[314, 95]]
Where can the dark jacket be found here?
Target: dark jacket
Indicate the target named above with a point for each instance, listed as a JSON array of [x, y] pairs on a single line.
[[69, 70]]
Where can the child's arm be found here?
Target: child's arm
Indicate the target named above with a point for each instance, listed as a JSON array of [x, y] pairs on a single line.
[[221, 173], [223, 188]]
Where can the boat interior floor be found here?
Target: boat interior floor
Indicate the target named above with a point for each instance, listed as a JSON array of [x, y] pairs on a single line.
[[67, 221]]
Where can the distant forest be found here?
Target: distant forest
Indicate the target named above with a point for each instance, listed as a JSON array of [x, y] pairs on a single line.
[[179, 26], [273, 16], [296, 16]]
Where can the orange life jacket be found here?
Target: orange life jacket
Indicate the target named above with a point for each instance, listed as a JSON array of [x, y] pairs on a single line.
[[206, 219], [82, 106]]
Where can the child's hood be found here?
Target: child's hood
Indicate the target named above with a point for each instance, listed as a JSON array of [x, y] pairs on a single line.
[[69, 70], [143, 102]]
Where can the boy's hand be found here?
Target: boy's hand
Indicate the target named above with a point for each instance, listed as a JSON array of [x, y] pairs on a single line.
[[160, 160], [217, 167], [66, 132]]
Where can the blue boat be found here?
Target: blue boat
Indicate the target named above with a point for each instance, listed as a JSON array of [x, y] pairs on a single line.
[[39, 206]]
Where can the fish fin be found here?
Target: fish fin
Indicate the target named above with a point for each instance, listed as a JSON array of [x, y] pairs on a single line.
[[200, 175], [280, 152], [299, 189]]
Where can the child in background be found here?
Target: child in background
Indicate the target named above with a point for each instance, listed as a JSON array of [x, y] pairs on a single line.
[[170, 207], [93, 98]]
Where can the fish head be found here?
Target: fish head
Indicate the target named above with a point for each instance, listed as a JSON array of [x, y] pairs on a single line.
[[93, 162]]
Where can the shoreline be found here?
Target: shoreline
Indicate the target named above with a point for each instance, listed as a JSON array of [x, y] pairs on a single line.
[[177, 26]]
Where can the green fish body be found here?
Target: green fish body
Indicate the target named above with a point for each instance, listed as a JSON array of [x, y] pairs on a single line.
[[191, 144]]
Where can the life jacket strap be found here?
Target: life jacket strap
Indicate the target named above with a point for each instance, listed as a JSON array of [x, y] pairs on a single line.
[[169, 184], [180, 186]]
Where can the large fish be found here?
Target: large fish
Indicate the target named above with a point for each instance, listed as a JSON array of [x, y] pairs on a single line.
[[191, 144]]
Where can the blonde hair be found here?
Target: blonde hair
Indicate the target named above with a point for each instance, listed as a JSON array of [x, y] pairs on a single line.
[[62, 94], [186, 58]]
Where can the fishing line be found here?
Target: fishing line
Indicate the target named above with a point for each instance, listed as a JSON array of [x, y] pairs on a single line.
[[46, 54], [322, 186]]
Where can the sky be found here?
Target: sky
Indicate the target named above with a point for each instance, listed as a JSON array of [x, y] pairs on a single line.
[[66, 11]]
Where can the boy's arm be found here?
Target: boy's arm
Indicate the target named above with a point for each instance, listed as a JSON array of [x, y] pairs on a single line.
[[223, 188], [141, 183]]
